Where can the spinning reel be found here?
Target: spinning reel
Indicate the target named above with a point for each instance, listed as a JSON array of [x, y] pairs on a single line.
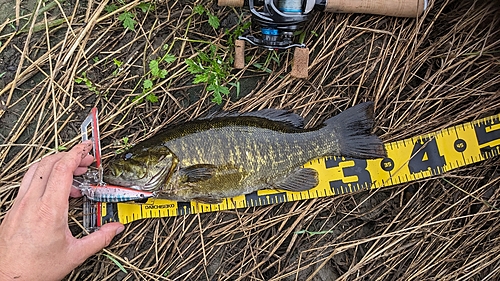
[[279, 20]]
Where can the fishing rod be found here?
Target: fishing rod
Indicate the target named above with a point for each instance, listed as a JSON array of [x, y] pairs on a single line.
[[277, 21]]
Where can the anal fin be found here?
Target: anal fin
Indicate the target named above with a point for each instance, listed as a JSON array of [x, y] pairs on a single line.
[[300, 180]]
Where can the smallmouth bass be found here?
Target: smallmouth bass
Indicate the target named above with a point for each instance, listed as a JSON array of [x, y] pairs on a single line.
[[233, 154]]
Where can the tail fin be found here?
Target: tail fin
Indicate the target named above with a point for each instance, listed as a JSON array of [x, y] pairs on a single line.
[[353, 127]]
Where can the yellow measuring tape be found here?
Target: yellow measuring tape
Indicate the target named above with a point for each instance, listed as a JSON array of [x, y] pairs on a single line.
[[407, 160]]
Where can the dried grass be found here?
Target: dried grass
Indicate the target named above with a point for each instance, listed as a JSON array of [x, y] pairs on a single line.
[[424, 75]]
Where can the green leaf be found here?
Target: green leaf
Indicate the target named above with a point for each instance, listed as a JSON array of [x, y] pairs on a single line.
[[237, 85], [110, 8], [204, 57], [163, 73], [217, 98], [169, 58], [152, 98], [120, 266], [125, 140], [62, 148], [213, 50], [128, 21], [138, 98], [145, 7], [199, 9], [262, 67], [154, 66], [148, 84], [213, 21], [193, 67], [96, 59], [78, 80], [224, 90], [200, 78], [117, 62]]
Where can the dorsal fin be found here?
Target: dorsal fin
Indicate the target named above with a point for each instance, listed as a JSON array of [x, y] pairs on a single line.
[[272, 114]]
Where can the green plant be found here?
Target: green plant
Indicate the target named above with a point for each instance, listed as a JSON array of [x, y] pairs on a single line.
[[238, 31], [213, 20], [271, 56], [146, 7], [210, 69], [117, 263], [123, 144], [128, 17], [87, 82], [156, 72], [118, 64]]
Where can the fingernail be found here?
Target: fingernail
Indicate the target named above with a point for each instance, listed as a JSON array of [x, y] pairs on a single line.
[[120, 229]]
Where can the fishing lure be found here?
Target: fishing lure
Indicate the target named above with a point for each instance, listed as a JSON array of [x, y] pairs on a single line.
[[103, 192]]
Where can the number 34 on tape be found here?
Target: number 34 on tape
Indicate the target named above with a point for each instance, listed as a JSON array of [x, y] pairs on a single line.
[[416, 158], [407, 160]]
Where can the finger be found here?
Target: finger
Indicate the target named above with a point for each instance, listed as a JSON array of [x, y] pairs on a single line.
[[26, 181], [94, 242], [82, 169], [36, 186], [89, 159], [60, 179], [75, 193]]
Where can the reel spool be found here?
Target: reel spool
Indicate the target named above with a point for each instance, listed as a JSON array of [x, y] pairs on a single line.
[[278, 20]]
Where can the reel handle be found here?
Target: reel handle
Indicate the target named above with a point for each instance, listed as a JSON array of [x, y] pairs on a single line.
[[394, 8]]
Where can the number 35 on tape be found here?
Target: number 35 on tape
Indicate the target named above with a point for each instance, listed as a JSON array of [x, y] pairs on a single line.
[[407, 160]]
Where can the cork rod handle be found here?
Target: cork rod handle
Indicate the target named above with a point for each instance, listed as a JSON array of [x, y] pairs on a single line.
[[395, 8], [230, 3]]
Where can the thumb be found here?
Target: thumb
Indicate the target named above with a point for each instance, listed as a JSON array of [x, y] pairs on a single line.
[[94, 242]]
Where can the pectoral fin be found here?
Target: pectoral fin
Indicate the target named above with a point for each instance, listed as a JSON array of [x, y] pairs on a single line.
[[199, 172], [301, 180]]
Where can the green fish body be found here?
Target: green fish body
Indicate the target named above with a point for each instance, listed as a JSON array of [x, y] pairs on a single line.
[[229, 155]]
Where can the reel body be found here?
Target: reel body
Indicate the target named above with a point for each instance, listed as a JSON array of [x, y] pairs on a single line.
[[279, 20]]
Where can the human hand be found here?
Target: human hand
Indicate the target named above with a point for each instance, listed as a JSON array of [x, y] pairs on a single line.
[[35, 240]]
